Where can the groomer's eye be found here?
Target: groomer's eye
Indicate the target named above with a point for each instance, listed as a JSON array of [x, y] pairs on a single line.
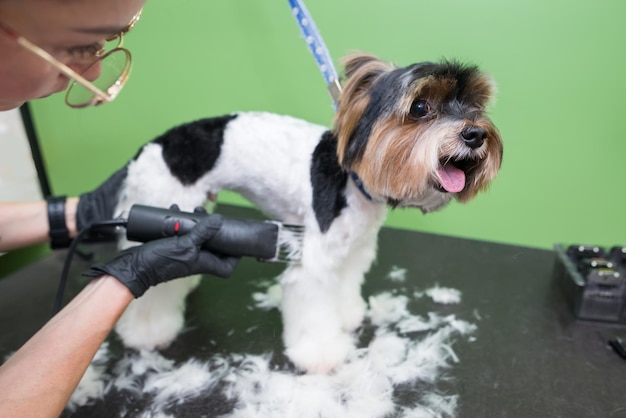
[[83, 52], [419, 108]]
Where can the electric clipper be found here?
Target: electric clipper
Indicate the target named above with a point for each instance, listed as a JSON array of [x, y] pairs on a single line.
[[269, 241]]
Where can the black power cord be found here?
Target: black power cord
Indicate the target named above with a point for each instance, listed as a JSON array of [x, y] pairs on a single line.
[[93, 228]]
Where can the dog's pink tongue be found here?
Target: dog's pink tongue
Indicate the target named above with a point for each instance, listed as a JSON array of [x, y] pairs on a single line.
[[451, 178]]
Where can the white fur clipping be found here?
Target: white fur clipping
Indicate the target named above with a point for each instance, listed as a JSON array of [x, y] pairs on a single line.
[[269, 299], [397, 274], [443, 295], [405, 349]]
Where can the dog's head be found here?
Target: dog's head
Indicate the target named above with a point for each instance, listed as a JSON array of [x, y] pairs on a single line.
[[417, 136]]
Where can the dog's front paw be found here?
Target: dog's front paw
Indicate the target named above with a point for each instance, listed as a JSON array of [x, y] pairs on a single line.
[[316, 355], [352, 314]]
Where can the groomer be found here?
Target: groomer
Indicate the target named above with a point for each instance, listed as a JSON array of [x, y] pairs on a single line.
[[44, 46]]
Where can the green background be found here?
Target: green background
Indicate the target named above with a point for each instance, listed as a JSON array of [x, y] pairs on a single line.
[[559, 66]]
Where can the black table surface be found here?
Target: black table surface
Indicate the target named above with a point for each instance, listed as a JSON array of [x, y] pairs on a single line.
[[530, 358]]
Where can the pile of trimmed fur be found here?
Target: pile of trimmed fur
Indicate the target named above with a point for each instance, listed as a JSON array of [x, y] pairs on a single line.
[[362, 387]]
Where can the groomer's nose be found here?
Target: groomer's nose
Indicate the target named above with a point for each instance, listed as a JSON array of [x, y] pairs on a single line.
[[93, 72], [89, 71]]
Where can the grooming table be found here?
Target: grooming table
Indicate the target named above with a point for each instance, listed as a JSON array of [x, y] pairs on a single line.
[[529, 358]]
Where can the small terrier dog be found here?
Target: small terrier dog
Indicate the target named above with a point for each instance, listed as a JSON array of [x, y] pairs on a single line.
[[411, 137]]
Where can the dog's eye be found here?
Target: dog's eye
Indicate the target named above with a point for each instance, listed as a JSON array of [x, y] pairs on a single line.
[[420, 108]]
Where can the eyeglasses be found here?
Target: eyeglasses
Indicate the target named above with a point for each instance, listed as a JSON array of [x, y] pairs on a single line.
[[115, 65]]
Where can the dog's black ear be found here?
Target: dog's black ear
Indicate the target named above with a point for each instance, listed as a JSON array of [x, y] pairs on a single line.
[[361, 70], [486, 89], [358, 60]]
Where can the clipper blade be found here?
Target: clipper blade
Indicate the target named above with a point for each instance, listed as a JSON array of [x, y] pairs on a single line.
[[289, 243]]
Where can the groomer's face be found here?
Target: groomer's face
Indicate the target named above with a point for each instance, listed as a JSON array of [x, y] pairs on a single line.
[[67, 29]]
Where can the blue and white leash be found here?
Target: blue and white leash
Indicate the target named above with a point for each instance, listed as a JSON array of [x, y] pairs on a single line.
[[324, 62], [317, 47]]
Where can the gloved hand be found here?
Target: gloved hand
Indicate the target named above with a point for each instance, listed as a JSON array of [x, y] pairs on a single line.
[[99, 204], [169, 258]]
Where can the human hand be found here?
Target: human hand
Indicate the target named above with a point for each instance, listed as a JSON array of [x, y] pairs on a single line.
[[165, 259], [99, 204]]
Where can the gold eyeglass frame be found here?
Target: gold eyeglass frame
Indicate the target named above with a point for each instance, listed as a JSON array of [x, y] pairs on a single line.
[[99, 96]]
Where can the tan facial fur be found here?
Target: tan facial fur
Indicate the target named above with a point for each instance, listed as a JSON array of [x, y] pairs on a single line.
[[399, 162]]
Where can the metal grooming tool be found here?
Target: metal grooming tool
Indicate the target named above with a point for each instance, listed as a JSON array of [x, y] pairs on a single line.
[[269, 241]]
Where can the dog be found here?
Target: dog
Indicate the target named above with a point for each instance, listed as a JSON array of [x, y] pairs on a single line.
[[403, 137]]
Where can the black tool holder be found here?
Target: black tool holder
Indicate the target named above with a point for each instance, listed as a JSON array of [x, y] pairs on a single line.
[[594, 281]]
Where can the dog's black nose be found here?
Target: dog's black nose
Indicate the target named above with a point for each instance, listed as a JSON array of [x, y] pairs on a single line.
[[474, 136]]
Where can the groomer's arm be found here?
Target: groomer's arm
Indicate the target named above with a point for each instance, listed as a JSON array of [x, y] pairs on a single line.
[[38, 380], [40, 377], [26, 223]]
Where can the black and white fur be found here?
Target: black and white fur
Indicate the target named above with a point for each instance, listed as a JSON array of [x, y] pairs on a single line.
[[338, 183]]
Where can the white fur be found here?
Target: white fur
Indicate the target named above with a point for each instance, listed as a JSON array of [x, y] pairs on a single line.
[[397, 274], [444, 295], [266, 158], [400, 360]]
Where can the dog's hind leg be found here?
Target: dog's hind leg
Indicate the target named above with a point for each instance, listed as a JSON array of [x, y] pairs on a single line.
[[155, 319]]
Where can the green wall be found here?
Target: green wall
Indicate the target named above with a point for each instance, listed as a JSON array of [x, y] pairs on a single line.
[[559, 66]]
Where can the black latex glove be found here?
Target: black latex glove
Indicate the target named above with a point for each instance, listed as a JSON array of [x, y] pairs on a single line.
[[169, 258], [99, 204]]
